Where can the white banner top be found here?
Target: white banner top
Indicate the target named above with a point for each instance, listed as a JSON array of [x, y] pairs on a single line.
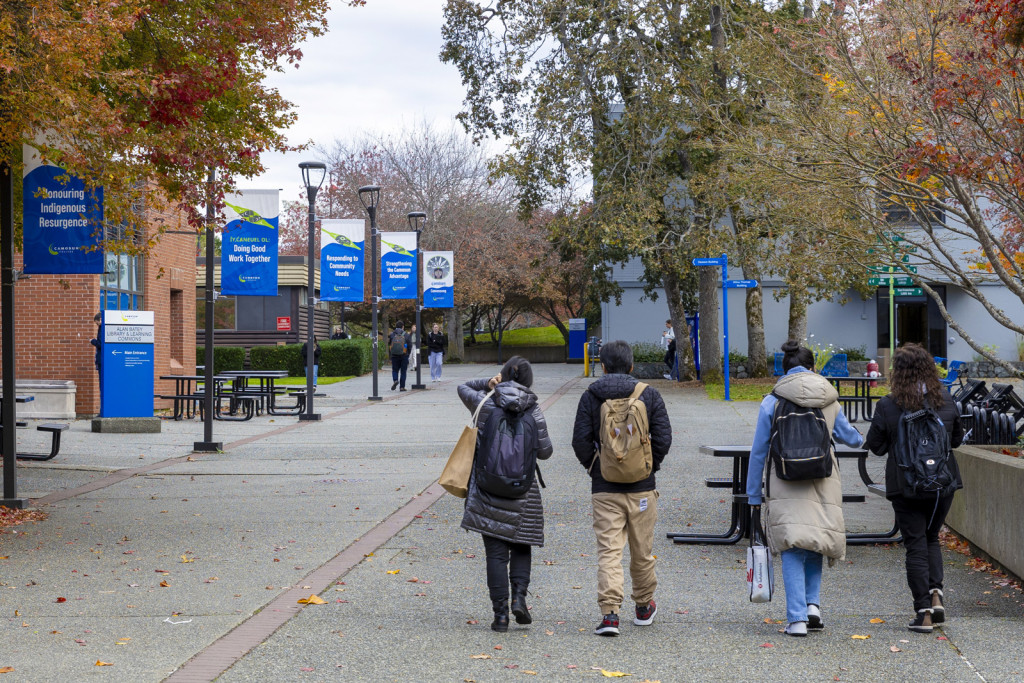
[[128, 317]]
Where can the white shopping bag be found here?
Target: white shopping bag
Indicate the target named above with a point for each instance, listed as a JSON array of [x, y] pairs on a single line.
[[760, 578]]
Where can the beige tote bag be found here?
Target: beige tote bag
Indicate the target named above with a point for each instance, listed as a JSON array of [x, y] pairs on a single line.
[[455, 477]]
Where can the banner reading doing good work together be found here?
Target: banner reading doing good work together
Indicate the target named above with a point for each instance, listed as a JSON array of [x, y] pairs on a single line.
[[342, 245], [63, 220], [248, 261], [398, 265], [438, 279]]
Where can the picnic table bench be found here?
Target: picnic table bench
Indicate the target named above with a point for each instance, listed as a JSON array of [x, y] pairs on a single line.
[[54, 429]]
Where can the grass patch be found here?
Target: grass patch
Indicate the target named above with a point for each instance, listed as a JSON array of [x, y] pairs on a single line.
[[757, 389], [529, 336], [301, 381]]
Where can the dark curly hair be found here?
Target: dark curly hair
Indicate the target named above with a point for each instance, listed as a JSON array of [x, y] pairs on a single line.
[[915, 379]]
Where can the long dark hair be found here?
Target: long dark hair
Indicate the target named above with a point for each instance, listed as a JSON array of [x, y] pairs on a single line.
[[517, 369], [796, 355], [915, 379]]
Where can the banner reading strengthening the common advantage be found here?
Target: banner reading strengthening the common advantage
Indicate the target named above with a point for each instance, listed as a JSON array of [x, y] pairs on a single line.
[[342, 254], [63, 220], [248, 261], [398, 265], [438, 279]]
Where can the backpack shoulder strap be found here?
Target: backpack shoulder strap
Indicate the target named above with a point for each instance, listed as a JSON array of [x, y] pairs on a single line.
[[637, 390], [476, 413]]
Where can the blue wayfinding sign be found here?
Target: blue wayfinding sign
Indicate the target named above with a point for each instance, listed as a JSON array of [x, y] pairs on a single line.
[[577, 337], [398, 265], [438, 279], [709, 261], [248, 261], [63, 220], [342, 259], [126, 364], [741, 284]]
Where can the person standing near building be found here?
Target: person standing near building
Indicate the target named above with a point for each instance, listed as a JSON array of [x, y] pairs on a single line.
[[623, 510], [414, 347], [435, 346], [668, 340], [98, 340], [316, 358], [398, 347]]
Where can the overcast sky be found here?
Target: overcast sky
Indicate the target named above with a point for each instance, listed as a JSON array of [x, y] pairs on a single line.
[[374, 71]]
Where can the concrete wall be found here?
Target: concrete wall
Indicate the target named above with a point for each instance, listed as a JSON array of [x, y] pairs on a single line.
[[534, 354], [989, 511]]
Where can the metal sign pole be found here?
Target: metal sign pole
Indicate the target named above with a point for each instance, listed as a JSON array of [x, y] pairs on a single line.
[[8, 414]]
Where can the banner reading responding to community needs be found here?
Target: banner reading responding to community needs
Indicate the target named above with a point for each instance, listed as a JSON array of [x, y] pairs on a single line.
[[248, 261], [342, 250], [63, 220], [438, 279], [398, 265]]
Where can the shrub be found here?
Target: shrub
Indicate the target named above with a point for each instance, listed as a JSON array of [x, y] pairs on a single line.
[[225, 358], [647, 352], [338, 358], [855, 353], [737, 358], [284, 357]]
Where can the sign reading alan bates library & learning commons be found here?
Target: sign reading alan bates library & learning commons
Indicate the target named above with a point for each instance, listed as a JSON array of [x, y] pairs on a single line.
[[63, 220], [248, 262]]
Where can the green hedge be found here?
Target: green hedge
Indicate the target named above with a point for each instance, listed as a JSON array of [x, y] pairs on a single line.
[[224, 358], [647, 352], [338, 358]]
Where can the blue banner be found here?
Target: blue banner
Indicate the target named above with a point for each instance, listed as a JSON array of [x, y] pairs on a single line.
[[63, 220], [438, 279], [398, 265], [248, 261], [342, 258]]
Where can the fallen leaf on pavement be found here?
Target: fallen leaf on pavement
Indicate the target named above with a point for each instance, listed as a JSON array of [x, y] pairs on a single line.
[[312, 600], [6, 669], [527, 671], [767, 645], [394, 571], [412, 580], [101, 663], [479, 656], [860, 637], [610, 674], [769, 620], [549, 632], [185, 558], [877, 621], [472, 621], [895, 649], [62, 599], [942, 638], [497, 647], [306, 668], [164, 584]]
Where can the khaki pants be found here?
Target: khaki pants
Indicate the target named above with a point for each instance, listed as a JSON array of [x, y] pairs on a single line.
[[619, 517]]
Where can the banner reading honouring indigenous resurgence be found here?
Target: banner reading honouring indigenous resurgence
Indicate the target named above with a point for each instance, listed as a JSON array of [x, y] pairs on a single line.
[[63, 220], [248, 261], [398, 265], [342, 254], [438, 279]]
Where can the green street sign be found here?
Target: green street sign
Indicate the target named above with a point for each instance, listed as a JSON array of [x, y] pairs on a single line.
[[908, 291], [884, 281], [892, 269], [890, 237]]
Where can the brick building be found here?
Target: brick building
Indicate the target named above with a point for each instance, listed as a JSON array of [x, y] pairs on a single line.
[[54, 315]]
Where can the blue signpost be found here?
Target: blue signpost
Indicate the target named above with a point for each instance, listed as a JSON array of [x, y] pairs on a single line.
[[126, 364], [727, 284], [577, 337]]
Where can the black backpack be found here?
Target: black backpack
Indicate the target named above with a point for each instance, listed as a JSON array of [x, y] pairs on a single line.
[[506, 461], [800, 444], [923, 455]]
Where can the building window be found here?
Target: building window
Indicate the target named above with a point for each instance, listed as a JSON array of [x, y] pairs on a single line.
[[899, 214], [121, 285], [177, 327], [223, 311]]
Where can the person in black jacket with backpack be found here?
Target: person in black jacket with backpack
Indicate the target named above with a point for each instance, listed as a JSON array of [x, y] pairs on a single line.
[[509, 526], [915, 386], [398, 347], [622, 510]]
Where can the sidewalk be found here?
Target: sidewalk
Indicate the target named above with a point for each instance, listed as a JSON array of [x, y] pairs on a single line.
[[303, 495]]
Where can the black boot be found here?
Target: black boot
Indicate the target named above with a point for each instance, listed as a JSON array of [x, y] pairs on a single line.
[[500, 623], [519, 608]]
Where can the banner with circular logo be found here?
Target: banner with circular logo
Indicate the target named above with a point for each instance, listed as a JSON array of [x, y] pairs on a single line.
[[438, 279]]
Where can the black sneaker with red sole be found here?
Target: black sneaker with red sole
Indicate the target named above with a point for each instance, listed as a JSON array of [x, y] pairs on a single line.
[[645, 614], [609, 625]]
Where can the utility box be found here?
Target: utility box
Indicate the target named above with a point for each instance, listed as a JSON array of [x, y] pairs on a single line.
[[577, 338]]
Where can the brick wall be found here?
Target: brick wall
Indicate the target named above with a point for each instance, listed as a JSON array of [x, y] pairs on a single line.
[[53, 319]]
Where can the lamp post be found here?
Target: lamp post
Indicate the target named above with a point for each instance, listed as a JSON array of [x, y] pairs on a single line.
[[313, 173], [369, 195], [208, 445], [417, 219]]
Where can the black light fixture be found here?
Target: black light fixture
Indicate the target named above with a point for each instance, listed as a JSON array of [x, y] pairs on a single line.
[[417, 219], [369, 195], [313, 173]]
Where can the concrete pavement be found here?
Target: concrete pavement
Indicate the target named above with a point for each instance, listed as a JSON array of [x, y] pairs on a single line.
[[231, 533]]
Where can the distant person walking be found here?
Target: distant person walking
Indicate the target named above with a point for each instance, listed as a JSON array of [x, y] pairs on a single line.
[[668, 340], [618, 416], [398, 347], [915, 387], [435, 346], [804, 516], [414, 348], [316, 359], [510, 526]]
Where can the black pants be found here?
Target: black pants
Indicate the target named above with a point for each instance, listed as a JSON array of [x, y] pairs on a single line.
[[399, 366], [670, 355], [506, 562], [920, 522]]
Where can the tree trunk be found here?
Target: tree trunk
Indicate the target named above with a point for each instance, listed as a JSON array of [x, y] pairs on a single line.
[[456, 342], [710, 330], [684, 352], [757, 357], [797, 315]]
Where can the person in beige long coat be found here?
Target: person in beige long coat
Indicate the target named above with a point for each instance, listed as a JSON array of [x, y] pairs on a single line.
[[804, 517]]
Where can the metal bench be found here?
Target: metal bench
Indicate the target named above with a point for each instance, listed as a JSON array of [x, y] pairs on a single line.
[[55, 430]]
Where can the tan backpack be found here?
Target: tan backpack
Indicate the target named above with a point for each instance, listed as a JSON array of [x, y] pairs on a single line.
[[625, 445]]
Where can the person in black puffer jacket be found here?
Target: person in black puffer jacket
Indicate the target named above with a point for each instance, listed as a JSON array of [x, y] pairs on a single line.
[[509, 526], [914, 385], [622, 510]]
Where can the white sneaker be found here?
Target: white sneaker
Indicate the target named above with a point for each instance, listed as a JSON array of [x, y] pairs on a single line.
[[814, 622], [667, 376], [797, 628]]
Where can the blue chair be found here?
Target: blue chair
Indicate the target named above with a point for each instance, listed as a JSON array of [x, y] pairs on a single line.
[[836, 366], [953, 375], [778, 364]]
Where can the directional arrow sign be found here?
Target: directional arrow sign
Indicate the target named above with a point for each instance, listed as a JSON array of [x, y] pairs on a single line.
[[884, 281], [708, 262], [741, 284], [908, 291], [892, 269]]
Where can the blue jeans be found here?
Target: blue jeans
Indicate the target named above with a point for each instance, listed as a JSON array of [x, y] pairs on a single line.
[[801, 575], [316, 372], [436, 360]]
